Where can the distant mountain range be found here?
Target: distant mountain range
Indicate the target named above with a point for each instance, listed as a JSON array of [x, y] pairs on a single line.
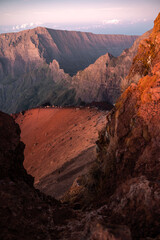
[[31, 64]]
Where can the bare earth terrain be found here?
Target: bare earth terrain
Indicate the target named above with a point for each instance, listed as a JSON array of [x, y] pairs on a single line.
[[60, 145]]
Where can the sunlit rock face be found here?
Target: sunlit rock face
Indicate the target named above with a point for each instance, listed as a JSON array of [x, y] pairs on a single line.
[[60, 145], [125, 178]]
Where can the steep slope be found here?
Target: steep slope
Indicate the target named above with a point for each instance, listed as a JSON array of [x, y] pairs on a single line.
[[28, 214], [125, 179], [146, 59], [73, 50], [103, 80], [30, 74], [45, 84], [25, 212], [60, 145]]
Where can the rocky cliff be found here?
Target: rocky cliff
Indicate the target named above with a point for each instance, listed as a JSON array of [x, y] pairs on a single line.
[[23, 51], [31, 64], [125, 179], [105, 79], [28, 214], [25, 213], [45, 84]]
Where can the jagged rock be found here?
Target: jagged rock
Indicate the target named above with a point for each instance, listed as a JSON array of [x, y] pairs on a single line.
[[25, 213], [125, 178], [106, 78], [73, 50], [11, 151], [32, 63]]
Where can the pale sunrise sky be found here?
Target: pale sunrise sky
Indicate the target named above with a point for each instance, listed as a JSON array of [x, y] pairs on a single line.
[[102, 16]]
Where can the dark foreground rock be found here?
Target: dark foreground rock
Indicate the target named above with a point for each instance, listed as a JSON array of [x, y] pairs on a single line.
[[25, 213]]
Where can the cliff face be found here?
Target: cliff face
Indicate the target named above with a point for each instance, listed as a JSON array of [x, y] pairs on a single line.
[[47, 83], [32, 63], [105, 79], [28, 214], [23, 51], [126, 177], [147, 57], [11, 151]]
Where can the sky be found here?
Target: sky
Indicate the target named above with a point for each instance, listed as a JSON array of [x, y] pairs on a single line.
[[98, 16]]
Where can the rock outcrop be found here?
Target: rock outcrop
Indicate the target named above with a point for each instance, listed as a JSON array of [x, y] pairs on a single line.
[[47, 83], [11, 151], [28, 214], [25, 213], [125, 180], [106, 78]]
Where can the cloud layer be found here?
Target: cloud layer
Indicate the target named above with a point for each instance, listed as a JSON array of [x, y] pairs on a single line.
[[111, 21], [25, 26]]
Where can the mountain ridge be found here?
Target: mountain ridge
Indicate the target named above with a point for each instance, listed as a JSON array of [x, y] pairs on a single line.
[[31, 65], [56, 44], [105, 79]]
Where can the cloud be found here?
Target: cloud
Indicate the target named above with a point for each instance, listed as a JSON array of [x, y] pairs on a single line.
[[25, 26], [111, 21]]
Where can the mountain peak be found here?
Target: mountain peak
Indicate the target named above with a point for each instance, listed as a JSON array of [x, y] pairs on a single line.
[[157, 24]]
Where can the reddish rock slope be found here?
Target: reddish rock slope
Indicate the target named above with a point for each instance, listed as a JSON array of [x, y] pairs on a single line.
[[25, 213], [60, 144], [126, 176]]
